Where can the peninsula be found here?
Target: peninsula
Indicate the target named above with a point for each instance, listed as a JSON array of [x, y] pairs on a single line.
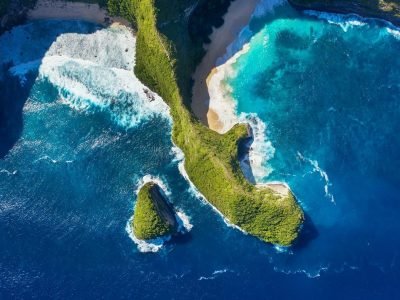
[[211, 159], [167, 53]]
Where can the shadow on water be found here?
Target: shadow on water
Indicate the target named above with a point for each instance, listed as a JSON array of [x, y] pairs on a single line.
[[244, 148], [12, 101], [308, 233], [181, 239], [14, 94]]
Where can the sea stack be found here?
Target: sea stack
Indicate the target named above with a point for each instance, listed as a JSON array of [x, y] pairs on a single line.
[[154, 216]]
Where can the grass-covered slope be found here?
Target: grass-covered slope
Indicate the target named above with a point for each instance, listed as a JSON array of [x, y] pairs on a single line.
[[385, 9], [147, 222], [210, 158], [165, 59]]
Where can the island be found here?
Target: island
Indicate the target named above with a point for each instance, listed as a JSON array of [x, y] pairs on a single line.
[[154, 216]]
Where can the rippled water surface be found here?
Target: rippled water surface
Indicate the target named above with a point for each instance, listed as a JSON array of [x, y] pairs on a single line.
[[81, 134]]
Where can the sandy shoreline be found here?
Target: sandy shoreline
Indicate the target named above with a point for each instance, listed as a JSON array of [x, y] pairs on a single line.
[[60, 10], [236, 18], [211, 101]]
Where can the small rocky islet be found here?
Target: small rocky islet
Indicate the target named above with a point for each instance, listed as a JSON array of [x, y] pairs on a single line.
[[154, 216]]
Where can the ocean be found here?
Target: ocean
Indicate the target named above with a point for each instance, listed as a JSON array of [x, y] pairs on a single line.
[[81, 136]]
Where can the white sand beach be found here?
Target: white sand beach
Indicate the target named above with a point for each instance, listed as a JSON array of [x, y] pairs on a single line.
[[212, 102], [236, 18]]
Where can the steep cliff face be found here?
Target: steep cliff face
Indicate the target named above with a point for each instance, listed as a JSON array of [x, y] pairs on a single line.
[[210, 158], [384, 9], [154, 217], [13, 12]]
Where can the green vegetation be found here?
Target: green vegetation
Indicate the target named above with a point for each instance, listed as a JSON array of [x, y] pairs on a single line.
[[147, 222], [211, 159], [165, 59]]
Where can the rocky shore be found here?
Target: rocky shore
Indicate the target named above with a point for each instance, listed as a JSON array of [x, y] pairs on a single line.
[[154, 216], [163, 207], [389, 11]]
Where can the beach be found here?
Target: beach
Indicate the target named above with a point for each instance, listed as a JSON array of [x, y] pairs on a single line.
[[60, 10], [212, 102], [236, 18]]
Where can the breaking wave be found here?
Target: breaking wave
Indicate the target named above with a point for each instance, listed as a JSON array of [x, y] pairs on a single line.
[[344, 21], [322, 173], [94, 72], [183, 220]]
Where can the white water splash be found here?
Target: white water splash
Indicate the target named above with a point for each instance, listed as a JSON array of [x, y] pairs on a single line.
[[153, 245], [322, 173], [395, 32], [261, 149], [310, 274], [255, 166], [52, 160], [240, 45], [150, 178], [214, 274], [183, 220], [344, 21], [179, 156], [8, 173], [197, 194], [222, 102], [91, 72]]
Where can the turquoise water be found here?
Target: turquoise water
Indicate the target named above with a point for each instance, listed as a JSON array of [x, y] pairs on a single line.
[[327, 87], [78, 135]]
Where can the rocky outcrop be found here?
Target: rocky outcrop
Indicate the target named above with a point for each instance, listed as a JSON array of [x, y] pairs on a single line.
[[163, 207], [154, 216]]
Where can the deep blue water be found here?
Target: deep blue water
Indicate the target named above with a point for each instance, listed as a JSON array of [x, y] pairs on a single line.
[[84, 136]]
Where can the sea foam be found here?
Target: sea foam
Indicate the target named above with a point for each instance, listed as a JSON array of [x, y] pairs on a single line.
[[91, 72], [98, 78], [395, 32], [322, 173], [344, 21], [255, 166], [183, 220], [195, 192]]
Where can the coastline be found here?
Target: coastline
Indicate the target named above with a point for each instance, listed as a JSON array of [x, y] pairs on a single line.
[[211, 102], [60, 10], [213, 172], [236, 18], [348, 8], [183, 220]]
